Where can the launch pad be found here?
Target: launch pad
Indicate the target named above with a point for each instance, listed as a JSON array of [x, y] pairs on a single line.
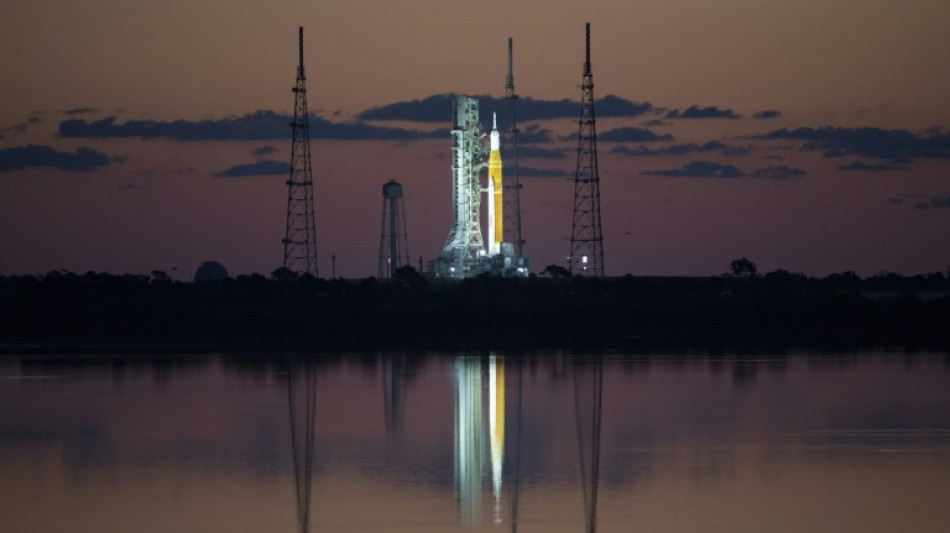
[[465, 252]]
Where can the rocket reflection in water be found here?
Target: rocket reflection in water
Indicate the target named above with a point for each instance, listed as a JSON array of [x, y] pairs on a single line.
[[496, 422], [470, 451]]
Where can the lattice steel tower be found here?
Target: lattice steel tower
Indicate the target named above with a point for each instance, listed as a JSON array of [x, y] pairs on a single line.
[[300, 237], [512, 222], [587, 241]]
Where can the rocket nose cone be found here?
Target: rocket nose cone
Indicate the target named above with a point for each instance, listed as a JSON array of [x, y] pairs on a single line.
[[494, 121]]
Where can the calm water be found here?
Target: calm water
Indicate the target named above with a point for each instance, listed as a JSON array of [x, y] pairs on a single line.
[[425, 443]]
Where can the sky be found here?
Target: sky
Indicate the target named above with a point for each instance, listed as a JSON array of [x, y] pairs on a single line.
[[810, 136]]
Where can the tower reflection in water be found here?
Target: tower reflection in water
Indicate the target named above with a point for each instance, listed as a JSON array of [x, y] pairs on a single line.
[[301, 404], [479, 450], [471, 458], [588, 408], [469, 438]]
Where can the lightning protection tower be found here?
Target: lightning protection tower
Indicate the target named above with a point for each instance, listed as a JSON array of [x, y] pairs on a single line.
[[587, 242], [512, 222], [393, 239], [300, 237]]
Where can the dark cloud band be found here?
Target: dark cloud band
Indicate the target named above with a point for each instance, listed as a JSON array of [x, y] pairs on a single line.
[[260, 125], [261, 168], [698, 169], [630, 134], [894, 145], [438, 108], [39, 156], [680, 149], [696, 112]]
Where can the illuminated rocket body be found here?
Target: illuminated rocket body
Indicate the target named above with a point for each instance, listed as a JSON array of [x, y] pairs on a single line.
[[495, 202]]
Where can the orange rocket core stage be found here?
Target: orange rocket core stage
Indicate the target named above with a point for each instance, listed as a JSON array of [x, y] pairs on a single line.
[[496, 204]]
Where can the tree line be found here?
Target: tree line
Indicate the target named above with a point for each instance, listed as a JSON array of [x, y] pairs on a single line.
[[739, 308]]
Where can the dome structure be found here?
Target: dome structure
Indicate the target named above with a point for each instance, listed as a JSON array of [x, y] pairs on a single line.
[[211, 271]]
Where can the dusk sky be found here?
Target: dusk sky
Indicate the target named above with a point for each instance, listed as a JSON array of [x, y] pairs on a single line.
[[811, 136]]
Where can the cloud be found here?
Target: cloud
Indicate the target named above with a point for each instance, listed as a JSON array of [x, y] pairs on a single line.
[[529, 152], [38, 156], [781, 172], [860, 166], [261, 151], [698, 169], [768, 113], [937, 202], [163, 172], [533, 172], [654, 122], [438, 108], [79, 111], [128, 187], [680, 149], [533, 134], [614, 106], [16, 129], [629, 134], [256, 126], [261, 168], [694, 111], [895, 145]]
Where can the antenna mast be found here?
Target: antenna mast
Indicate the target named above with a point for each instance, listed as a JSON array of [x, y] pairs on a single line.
[[300, 237], [587, 241]]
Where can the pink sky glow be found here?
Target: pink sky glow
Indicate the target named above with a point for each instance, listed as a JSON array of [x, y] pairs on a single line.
[[846, 170]]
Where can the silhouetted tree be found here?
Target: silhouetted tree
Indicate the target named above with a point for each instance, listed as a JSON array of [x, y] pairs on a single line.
[[743, 268], [160, 276], [409, 276], [283, 274], [556, 271]]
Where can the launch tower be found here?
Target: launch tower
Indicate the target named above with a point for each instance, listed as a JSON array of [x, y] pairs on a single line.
[[587, 242], [465, 253], [465, 236], [300, 237]]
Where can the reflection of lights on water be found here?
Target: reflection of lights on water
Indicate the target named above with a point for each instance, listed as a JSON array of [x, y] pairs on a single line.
[[496, 410], [471, 437]]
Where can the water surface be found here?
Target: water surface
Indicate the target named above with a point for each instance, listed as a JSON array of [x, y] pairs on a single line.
[[475, 442]]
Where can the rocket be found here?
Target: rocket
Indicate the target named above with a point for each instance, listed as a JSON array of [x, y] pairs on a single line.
[[495, 202]]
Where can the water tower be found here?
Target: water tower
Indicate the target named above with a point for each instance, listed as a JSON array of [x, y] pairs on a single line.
[[393, 240]]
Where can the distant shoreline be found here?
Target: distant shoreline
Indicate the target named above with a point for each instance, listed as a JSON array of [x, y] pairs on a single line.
[[66, 312]]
